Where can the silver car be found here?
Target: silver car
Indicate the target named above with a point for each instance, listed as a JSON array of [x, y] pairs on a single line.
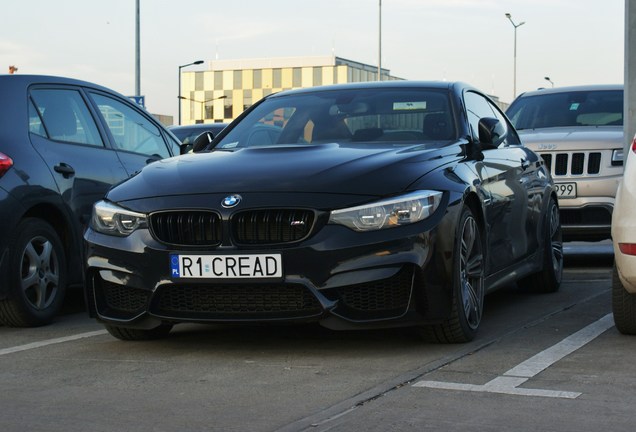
[[579, 133]]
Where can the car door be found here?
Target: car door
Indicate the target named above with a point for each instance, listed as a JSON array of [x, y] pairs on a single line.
[[65, 134], [137, 138], [508, 173]]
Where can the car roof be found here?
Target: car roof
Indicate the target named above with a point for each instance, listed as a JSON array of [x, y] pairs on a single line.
[[20, 80], [591, 87], [395, 84]]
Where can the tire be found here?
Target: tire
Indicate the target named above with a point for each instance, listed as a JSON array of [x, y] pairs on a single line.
[[35, 273], [623, 306], [468, 286], [132, 334], [548, 279]]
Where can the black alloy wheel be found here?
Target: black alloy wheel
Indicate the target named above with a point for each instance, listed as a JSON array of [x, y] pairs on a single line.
[[468, 286], [548, 279]]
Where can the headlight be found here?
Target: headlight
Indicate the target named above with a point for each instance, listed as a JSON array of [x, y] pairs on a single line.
[[389, 213], [114, 220]]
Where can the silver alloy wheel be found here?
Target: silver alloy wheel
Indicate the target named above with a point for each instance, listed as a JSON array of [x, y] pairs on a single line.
[[40, 273], [471, 268]]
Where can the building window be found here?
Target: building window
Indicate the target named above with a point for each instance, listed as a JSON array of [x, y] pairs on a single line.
[[247, 99], [277, 78], [258, 78], [218, 80], [297, 77], [198, 81], [238, 79], [317, 76], [227, 105]]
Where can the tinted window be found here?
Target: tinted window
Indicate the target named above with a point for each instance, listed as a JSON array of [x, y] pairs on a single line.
[[478, 107], [65, 117], [577, 108], [131, 130], [392, 115]]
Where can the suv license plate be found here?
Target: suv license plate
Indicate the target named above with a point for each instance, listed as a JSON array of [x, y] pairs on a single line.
[[566, 190], [226, 266]]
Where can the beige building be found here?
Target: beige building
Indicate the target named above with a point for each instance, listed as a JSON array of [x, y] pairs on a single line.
[[224, 91]]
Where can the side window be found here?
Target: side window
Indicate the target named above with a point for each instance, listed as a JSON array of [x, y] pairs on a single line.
[[131, 130], [478, 107], [64, 116], [35, 122]]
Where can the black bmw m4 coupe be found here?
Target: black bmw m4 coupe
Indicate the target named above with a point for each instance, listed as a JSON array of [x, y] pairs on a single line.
[[356, 206]]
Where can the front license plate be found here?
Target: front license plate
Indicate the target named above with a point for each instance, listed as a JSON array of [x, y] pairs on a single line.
[[226, 266], [566, 190]]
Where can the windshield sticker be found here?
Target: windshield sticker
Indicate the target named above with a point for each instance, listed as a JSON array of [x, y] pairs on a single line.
[[574, 106], [230, 145], [406, 106]]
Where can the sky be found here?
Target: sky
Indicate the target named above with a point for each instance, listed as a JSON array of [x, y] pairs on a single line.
[[570, 41]]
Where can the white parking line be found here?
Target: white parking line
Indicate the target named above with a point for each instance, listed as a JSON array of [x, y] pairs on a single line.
[[509, 382], [47, 342]]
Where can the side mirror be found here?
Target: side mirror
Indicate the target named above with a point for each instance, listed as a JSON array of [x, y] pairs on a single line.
[[202, 141], [491, 132]]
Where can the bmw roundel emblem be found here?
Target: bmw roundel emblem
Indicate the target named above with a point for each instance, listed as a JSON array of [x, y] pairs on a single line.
[[231, 201]]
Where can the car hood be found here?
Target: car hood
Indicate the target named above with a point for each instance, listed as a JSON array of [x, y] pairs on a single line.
[[327, 168], [573, 137]]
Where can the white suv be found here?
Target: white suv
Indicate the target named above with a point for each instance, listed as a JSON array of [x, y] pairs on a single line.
[[624, 240], [579, 133]]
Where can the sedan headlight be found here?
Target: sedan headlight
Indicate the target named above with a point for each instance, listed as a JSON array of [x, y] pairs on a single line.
[[389, 213], [114, 220]]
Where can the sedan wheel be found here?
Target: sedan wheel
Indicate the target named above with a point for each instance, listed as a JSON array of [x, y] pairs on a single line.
[[468, 286], [36, 275], [548, 279]]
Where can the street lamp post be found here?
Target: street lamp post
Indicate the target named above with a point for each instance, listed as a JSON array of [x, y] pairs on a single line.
[[514, 85], [198, 62], [380, 40], [202, 104], [549, 80]]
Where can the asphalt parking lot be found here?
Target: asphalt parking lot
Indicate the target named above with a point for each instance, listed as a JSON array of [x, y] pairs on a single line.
[[541, 362]]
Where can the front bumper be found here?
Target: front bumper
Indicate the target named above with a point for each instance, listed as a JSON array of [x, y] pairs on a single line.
[[338, 277]]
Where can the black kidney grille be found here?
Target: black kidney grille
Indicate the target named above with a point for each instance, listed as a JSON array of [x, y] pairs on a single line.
[[191, 228], [272, 226]]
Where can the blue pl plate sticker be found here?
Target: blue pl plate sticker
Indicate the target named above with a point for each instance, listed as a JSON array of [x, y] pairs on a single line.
[[174, 265]]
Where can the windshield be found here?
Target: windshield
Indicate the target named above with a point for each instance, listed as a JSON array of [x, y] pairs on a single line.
[[577, 108], [352, 115]]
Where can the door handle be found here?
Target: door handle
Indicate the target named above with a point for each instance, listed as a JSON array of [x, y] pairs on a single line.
[[64, 169]]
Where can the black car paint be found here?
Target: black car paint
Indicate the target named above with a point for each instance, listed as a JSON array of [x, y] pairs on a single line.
[[491, 181]]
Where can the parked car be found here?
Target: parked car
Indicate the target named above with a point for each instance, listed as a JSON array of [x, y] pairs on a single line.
[[63, 143], [579, 133], [188, 133], [380, 204], [624, 242]]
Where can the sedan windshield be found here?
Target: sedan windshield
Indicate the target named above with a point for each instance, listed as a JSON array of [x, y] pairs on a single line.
[[352, 115], [567, 109]]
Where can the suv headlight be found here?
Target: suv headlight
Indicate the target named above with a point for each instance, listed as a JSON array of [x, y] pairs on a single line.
[[389, 213], [110, 219]]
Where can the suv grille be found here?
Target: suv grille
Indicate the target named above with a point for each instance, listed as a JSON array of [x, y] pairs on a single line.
[[272, 226], [577, 164], [192, 228]]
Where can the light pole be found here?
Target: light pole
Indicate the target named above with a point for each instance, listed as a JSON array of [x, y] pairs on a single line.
[[549, 80], [514, 85], [202, 104], [198, 62], [380, 41]]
